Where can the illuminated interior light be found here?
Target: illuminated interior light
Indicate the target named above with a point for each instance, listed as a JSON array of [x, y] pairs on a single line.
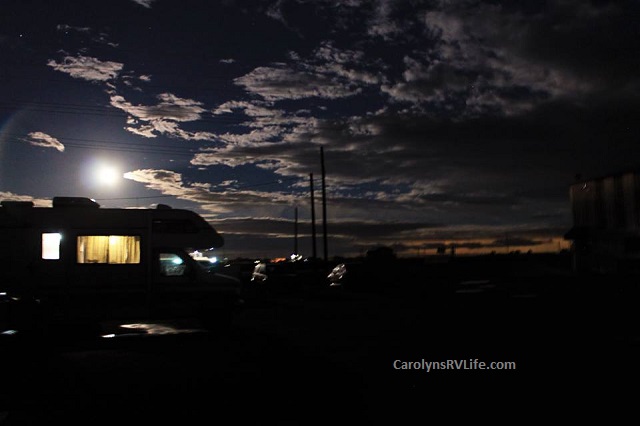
[[51, 245]]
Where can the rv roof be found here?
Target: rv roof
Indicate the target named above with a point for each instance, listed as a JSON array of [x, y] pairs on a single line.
[[74, 202], [10, 204]]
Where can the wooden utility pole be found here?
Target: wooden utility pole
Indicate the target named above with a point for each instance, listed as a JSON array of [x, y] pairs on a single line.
[[313, 219], [324, 208], [295, 233]]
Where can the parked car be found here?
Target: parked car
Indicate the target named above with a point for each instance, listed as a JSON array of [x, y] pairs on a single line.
[[286, 276], [350, 275], [337, 276], [259, 273], [364, 275]]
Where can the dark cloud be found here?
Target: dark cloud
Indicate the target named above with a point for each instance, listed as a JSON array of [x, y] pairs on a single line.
[[515, 242], [279, 82]]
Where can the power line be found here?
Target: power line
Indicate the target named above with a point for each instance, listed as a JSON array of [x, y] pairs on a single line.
[[111, 111], [124, 147], [234, 188], [228, 119]]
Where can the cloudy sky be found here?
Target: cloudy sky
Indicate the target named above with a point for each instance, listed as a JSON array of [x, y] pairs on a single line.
[[442, 122]]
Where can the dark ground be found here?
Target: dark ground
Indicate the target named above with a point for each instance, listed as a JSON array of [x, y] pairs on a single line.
[[316, 356]]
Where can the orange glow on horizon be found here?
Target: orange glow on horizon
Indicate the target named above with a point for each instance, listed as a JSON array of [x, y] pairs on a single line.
[[484, 246]]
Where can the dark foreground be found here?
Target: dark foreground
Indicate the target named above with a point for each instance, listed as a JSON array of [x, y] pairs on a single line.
[[319, 356]]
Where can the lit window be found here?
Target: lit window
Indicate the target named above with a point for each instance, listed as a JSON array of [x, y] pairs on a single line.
[[172, 265], [113, 249], [51, 245]]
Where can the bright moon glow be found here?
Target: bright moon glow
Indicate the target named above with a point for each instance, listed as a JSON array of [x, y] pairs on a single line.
[[108, 175]]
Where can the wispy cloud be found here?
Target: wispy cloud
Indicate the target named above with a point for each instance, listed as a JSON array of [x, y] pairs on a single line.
[[473, 68], [170, 107], [44, 140], [382, 23], [328, 73], [145, 3], [87, 68], [67, 28], [163, 118], [280, 82], [216, 199]]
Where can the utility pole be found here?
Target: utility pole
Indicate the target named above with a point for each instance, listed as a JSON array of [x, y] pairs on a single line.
[[313, 219], [324, 209], [295, 233], [506, 241]]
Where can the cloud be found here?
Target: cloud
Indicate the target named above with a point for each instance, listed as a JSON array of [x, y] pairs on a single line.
[[280, 82], [100, 38], [328, 73], [170, 107], [509, 66], [459, 169], [163, 180], [467, 74], [352, 65], [44, 140], [170, 183], [254, 236], [87, 68], [37, 202], [67, 28], [163, 118], [145, 3], [220, 199], [382, 23], [515, 242], [265, 123]]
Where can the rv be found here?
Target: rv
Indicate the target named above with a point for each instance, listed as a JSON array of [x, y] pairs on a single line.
[[76, 264]]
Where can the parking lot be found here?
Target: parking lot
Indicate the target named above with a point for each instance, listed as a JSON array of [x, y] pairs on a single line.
[[313, 356]]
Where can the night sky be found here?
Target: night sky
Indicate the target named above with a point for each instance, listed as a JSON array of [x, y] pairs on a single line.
[[442, 122]]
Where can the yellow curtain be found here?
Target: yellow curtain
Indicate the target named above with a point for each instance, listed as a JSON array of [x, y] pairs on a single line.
[[133, 249], [124, 249], [108, 249], [117, 249], [96, 249]]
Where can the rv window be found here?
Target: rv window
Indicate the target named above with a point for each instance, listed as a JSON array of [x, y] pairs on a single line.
[[174, 226], [51, 245], [113, 249], [172, 265]]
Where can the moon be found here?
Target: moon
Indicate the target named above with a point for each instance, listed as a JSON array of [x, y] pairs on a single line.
[[108, 175]]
